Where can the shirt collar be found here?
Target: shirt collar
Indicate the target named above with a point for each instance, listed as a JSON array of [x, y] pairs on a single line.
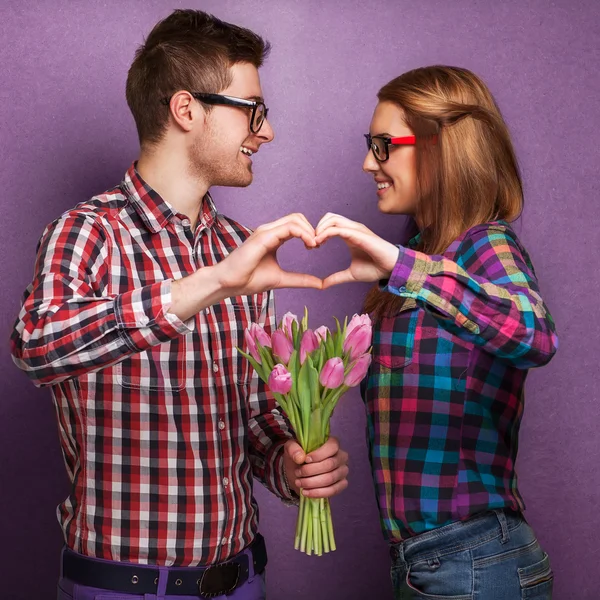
[[156, 212], [414, 241]]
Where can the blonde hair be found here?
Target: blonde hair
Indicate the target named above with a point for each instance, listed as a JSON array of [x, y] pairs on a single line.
[[469, 175]]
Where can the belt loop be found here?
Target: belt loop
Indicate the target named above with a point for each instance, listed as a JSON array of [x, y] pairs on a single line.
[[505, 537], [250, 556], [62, 561], [163, 579]]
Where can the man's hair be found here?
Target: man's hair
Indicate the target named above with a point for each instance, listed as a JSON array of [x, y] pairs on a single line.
[[188, 50]]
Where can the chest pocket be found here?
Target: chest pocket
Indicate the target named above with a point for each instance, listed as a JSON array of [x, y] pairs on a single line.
[[162, 367], [238, 313], [394, 339]]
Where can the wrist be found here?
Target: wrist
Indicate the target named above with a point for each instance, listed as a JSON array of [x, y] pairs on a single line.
[[393, 255], [289, 474], [191, 294]]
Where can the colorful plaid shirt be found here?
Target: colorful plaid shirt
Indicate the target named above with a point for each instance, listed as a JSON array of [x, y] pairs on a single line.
[[162, 423], [444, 394]]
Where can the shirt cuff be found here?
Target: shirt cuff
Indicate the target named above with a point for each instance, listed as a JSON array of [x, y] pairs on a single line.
[[275, 475], [409, 274], [142, 315]]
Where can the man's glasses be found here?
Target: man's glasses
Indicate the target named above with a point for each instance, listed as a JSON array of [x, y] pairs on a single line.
[[380, 144], [259, 110]]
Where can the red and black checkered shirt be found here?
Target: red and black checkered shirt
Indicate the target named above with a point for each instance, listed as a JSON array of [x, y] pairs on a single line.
[[163, 424]]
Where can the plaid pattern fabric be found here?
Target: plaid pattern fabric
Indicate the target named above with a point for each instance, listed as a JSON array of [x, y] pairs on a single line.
[[444, 394], [162, 423]]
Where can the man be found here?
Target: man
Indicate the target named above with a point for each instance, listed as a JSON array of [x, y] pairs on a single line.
[[139, 300]]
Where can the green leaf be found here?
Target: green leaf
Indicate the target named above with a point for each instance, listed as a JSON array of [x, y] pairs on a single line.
[[304, 396], [293, 368], [330, 345], [256, 366], [321, 357], [313, 377], [339, 329], [295, 334], [305, 320], [266, 356]]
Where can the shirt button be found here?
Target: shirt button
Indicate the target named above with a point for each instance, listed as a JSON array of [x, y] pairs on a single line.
[[215, 367], [207, 311], [186, 222], [225, 481], [144, 320], [224, 541], [402, 288], [221, 425]]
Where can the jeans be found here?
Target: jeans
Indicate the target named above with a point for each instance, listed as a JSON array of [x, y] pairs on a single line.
[[493, 556]]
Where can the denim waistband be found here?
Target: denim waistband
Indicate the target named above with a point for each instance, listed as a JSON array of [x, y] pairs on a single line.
[[457, 536]]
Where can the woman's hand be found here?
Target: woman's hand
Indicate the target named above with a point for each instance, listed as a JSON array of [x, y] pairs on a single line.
[[372, 257]]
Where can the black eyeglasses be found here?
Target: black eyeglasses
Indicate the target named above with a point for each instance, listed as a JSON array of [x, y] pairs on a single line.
[[380, 144], [259, 110]]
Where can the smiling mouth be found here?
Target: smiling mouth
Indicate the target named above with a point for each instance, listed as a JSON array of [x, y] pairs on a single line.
[[246, 151]]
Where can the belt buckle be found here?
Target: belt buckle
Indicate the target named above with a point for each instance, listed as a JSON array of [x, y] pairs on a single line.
[[219, 580]]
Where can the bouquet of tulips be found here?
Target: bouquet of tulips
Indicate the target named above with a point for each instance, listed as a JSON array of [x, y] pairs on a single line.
[[308, 371]]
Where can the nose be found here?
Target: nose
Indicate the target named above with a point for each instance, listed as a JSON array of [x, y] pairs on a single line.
[[266, 133], [370, 165]]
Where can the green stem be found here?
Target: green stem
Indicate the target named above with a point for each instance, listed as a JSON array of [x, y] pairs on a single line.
[[316, 526], [323, 519], [309, 536], [303, 508], [299, 525], [330, 528]]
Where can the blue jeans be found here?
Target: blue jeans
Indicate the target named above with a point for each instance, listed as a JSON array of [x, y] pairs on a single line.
[[493, 556]]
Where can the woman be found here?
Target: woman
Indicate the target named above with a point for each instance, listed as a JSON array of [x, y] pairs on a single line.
[[459, 320]]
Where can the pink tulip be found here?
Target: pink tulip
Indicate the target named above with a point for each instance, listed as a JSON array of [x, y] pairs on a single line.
[[322, 332], [282, 346], [280, 380], [286, 324], [332, 373], [357, 321], [308, 343], [358, 341], [260, 335], [252, 346], [358, 371]]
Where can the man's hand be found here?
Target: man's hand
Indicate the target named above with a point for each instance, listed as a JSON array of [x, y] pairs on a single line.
[[253, 268], [321, 474], [250, 269]]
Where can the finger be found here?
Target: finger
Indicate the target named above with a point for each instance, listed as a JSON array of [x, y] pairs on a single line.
[[295, 452], [325, 218], [275, 237], [297, 218], [325, 466], [298, 280], [322, 481], [292, 222], [337, 279], [329, 449], [339, 221], [326, 492], [352, 235]]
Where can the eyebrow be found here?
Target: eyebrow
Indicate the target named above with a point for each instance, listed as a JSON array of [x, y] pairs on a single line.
[[255, 98], [384, 134]]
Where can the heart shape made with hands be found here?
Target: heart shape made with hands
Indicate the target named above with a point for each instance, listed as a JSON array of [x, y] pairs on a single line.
[[371, 257]]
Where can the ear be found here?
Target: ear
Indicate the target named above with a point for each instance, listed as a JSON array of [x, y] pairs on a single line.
[[186, 112]]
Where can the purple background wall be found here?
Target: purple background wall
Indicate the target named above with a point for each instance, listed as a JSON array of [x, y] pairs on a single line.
[[66, 134]]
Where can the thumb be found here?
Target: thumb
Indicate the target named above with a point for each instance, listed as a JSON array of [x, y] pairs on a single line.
[[295, 452]]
